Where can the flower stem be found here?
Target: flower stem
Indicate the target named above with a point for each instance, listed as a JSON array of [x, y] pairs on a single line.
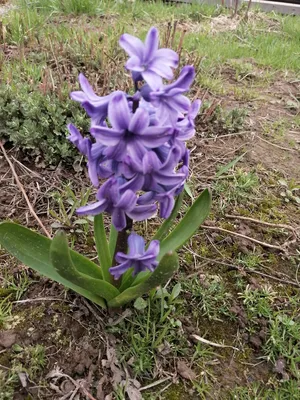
[[121, 244], [135, 104]]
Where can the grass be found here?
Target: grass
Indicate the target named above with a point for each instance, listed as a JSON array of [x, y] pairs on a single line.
[[29, 361], [153, 329], [65, 49], [210, 298], [239, 186]]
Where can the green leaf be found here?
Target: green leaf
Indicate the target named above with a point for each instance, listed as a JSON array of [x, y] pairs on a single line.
[[33, 250], [163, 272], [62, 262], [127, 280], [113, 236], [282, 182], [102, 247], [163, 230], [194, 217], [161, 293], [175, 292], [140, 304], [188, 191], [228, 166]]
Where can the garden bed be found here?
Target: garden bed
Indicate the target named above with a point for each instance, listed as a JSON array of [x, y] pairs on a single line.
[[234, 330]]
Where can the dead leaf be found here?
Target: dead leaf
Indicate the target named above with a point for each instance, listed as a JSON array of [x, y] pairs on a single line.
[[184, 371], [112, 363], [100, 393], [7, 339], [23, 379], [133, 393], [280, 366]]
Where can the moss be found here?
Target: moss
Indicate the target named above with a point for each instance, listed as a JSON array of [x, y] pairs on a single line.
[[227, 225], [175, 392], [188, 258]]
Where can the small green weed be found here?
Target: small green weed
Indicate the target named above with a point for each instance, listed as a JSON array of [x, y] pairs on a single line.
[[209, 298], [5, 312], [16, 285], [250, 260], [153, 330], [236, 188], [223, 121], [36, 123], [286, 390], [258, 302], [67, 202], [7, 384], [290, 191], [234, 119], [31, 360], [284, 341]]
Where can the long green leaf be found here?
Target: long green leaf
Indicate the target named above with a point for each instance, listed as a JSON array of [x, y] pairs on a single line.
[[113, 236], [102, 247], [163, 272], [194, 217], [188, 191], [33, 250], [62, 262], [228, 166], [163, 230]]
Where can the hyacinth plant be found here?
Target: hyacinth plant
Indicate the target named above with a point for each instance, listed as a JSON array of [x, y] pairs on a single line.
[[139, 163]]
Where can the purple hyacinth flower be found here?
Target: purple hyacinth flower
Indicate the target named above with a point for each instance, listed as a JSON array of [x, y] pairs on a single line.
[[119, 201], [152, 172], [185, 128], [147, 61], [95, 106], [137, 258], [169, 99], [82, 144], [130, 133], [98, 165], [164, 193]]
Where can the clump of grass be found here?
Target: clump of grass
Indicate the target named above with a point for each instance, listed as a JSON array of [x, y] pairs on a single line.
[[258, 302], [75, 7], [66, 202], [283, 330], [284, 341], [209, 298], [222, 121], [5, 312], [286, 390], [261, 44], [30, 359], [242, 185], [16, 286], [154, 330]]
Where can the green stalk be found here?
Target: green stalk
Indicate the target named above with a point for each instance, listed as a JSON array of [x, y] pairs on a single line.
[[113, 235], [102, 247]]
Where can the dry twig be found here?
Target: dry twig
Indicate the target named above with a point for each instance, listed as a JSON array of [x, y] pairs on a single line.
[[247, 270], [257, 221], [275, 145], [264, 244], [205, 341], [23, 191]]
